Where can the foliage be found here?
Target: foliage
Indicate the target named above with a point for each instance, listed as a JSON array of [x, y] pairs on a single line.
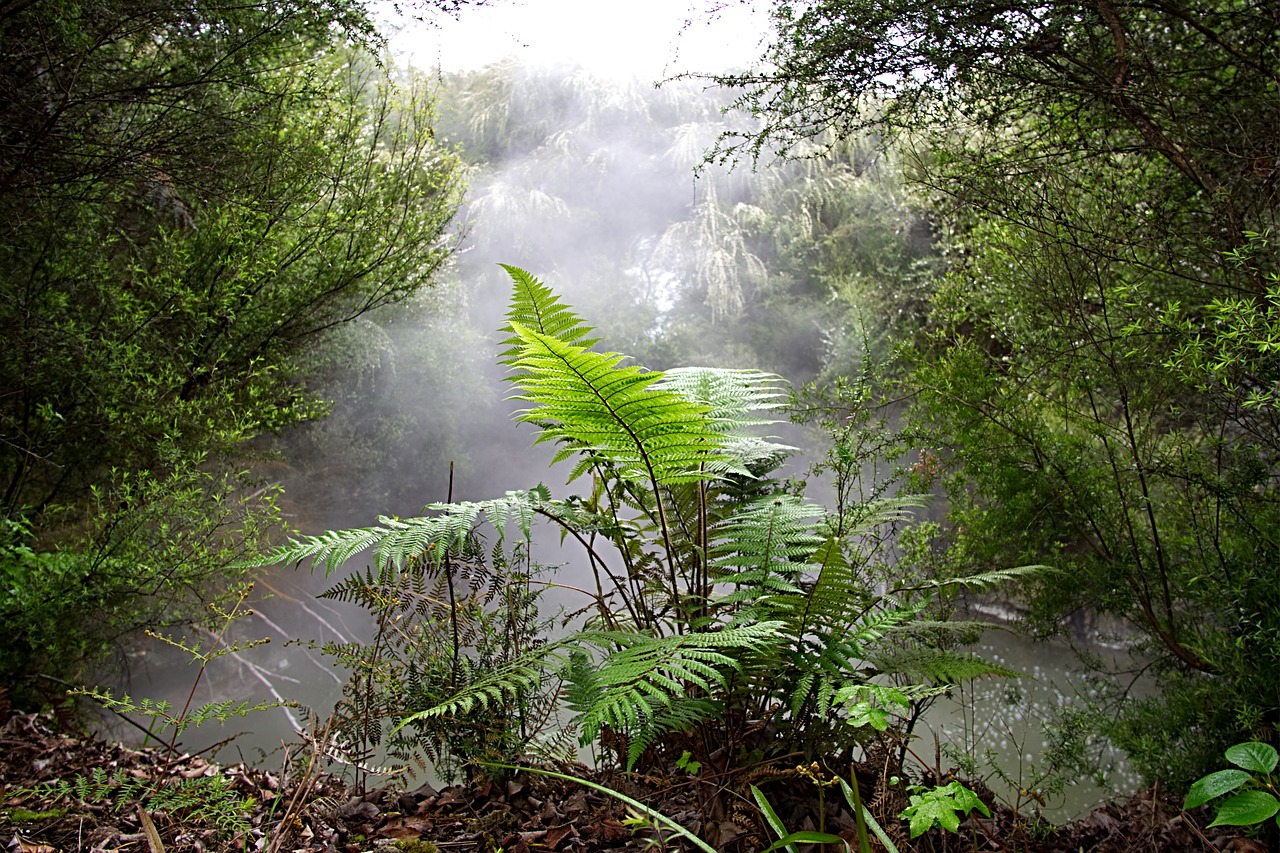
[[1256, 763], [787, 840], [152, 555], [441, 628], [942, 805], [192, 195], [719, 599], [211, 800], [1095, 365], [161, 712]]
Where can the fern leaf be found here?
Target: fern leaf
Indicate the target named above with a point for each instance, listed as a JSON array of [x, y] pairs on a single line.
[[535, 306], [938, 666], [994, 577]]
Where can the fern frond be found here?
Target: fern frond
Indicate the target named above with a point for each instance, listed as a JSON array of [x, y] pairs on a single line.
[[329, 549], [988, 579], [397, 542], [644, 679], [769, 534], [592, 403], [536, 306], [734, 401], [521, 675], [938, 666]]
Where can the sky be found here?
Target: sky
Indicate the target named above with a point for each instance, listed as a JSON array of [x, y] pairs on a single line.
[[649, 39]]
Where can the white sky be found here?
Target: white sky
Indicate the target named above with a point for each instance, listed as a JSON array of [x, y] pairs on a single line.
[[617, 38]]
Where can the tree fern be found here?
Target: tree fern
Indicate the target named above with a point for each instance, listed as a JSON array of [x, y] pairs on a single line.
[[718, 597]]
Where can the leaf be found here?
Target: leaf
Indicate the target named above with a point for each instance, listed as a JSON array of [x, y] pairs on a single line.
[[1214, 785], [770, 816], [1245, 808], [1254, 756], [803, 837], [924, 812]]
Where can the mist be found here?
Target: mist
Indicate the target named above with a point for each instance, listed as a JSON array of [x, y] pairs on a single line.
[[600, 188]]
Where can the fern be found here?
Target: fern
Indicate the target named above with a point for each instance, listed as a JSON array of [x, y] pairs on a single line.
[[535, 306], [938, 666], [518, 676], [646, 685], [722, 598], [593, 405], [756, 549], [734, 399], [396, 542], [211, 800]]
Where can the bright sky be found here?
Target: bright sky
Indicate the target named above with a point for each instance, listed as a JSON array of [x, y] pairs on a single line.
[[646, 38]]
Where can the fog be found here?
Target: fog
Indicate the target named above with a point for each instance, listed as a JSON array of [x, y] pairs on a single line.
[[598, 186]]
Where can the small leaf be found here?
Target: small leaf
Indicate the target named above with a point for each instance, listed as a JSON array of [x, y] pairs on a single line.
[[1214, 785], [1245, 808], [1258, 757]]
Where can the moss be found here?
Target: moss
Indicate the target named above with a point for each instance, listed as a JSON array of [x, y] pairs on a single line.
[[415, 845], [28, 816]]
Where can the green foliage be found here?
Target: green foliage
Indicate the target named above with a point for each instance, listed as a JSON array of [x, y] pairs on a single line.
[[787, 840], [455, 624], [1257, 763], [719, 598], [210, 800], [1095, 370], [942, 806], [161, 713], [194, 196]]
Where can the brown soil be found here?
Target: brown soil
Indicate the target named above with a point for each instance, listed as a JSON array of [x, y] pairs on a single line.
[[299, 809]]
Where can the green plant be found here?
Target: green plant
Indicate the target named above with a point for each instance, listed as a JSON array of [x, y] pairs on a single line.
[[1254, 770], [439, 628], [161, 713], [209, 799], [788, 840], [717, 598], [941, 805]]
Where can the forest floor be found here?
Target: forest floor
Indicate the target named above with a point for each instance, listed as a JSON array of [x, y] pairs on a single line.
[[206, 807]]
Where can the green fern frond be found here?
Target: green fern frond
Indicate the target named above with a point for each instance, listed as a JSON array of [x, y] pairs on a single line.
[[732, 397], [988, 579], [770, 534], [734, 401], [521, 675], [330, 549], [590, 402], [643, 677], [397, 542], [536, 306], [937, 666]]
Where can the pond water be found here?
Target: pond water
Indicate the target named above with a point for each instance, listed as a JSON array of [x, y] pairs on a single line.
[[994, 728]]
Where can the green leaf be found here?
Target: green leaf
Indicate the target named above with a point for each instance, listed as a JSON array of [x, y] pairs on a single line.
[[1254, 756], [1245, 808], [803, 837], [1214, 785], [770, 816]]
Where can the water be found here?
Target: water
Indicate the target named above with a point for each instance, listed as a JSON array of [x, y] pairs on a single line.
[[1000, 730]]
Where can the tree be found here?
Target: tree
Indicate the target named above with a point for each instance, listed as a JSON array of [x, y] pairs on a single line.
[[191, 197], [1098, 362]]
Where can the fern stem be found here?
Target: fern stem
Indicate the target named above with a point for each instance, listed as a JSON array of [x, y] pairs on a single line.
[[595, 559], [453, 604]]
